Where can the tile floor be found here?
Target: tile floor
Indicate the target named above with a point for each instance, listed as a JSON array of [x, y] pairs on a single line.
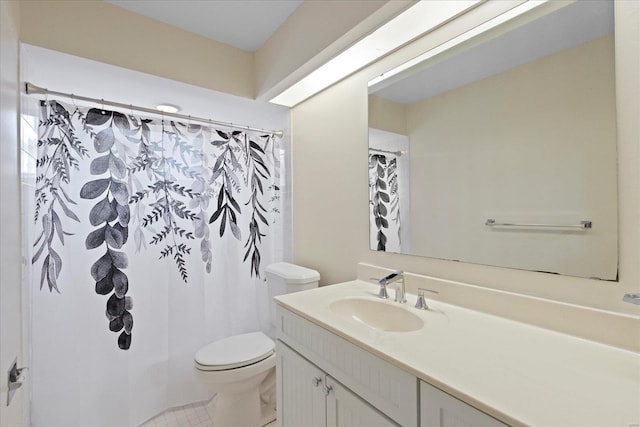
[[194, 415]]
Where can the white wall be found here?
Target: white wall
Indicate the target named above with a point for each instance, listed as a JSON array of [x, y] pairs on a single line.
[[10, 260], [330, 199]]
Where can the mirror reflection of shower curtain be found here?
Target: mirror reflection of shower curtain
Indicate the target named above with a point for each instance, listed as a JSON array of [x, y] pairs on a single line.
[[151, 237], [384, 203]]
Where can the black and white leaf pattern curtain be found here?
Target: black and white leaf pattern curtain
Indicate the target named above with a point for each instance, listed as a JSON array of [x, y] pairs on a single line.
[[151, 237], [384, 200]]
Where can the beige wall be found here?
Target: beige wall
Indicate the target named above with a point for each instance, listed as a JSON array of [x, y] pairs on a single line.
[[315, 32], [103, 32], [330, 202], [536, 144], [387, 115], [10, 212], [627, 39]]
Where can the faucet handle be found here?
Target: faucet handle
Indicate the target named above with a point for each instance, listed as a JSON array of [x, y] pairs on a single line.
[[421, 303], [382, 293]]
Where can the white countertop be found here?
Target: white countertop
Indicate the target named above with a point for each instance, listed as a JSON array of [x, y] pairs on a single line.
[[518, 373]]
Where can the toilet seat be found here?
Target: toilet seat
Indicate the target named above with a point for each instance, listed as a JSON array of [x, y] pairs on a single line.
[[234, 352]]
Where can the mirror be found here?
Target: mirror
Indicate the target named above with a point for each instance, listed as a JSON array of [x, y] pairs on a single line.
[[501, 150]]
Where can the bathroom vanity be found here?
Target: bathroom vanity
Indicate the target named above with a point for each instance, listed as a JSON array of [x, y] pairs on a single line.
[[344, 359]]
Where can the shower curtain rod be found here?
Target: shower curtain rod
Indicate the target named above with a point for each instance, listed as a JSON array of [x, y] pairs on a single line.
[[397, 153], [32, 89]]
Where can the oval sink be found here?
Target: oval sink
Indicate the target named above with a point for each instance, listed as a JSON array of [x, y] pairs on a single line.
[[377, 314]]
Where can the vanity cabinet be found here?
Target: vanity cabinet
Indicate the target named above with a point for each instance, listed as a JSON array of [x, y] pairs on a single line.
[[324, 380], [437, 408], [363, 386], [311, 398], [345, 409], [300, 384], [446, 374]]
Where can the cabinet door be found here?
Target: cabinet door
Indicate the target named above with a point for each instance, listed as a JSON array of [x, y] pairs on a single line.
[[438, 409], [301, 390], [345, 409]]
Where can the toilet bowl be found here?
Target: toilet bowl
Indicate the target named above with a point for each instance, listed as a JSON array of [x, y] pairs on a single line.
[[240, 369], [234, 368]]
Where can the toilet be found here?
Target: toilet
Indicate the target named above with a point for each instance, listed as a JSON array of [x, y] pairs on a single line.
[[241, 368]]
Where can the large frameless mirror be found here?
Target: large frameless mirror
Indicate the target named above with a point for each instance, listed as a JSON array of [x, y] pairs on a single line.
[[501, 150]]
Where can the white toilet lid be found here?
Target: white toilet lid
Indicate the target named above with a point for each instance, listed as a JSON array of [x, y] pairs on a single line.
[[235, 351]]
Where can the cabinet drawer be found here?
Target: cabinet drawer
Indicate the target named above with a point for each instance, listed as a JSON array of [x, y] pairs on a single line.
[[391, 390], [438, 409]]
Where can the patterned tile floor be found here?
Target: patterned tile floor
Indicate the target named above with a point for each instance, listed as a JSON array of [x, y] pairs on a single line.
[[194, 415]]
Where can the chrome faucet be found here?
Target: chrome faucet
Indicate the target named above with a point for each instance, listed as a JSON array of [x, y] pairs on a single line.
[[395, 277]]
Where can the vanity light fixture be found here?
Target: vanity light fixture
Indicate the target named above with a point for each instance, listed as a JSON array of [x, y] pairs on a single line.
[[168, 108], [507, 16], [410, 24]]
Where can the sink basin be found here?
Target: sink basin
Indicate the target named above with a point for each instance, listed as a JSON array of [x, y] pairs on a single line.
[[377, 314]]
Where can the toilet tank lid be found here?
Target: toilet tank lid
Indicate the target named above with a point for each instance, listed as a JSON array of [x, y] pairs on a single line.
[[292, 273]]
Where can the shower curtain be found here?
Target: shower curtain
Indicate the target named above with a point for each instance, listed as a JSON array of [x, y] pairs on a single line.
[[150, 240], [384, 203]]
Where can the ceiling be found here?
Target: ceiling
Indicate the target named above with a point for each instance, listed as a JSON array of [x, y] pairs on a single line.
[[245, 24]]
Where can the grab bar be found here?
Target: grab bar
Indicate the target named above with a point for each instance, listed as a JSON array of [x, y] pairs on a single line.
[[583, 224]]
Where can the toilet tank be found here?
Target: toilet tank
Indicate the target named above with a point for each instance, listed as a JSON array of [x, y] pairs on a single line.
[[285, 278]]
